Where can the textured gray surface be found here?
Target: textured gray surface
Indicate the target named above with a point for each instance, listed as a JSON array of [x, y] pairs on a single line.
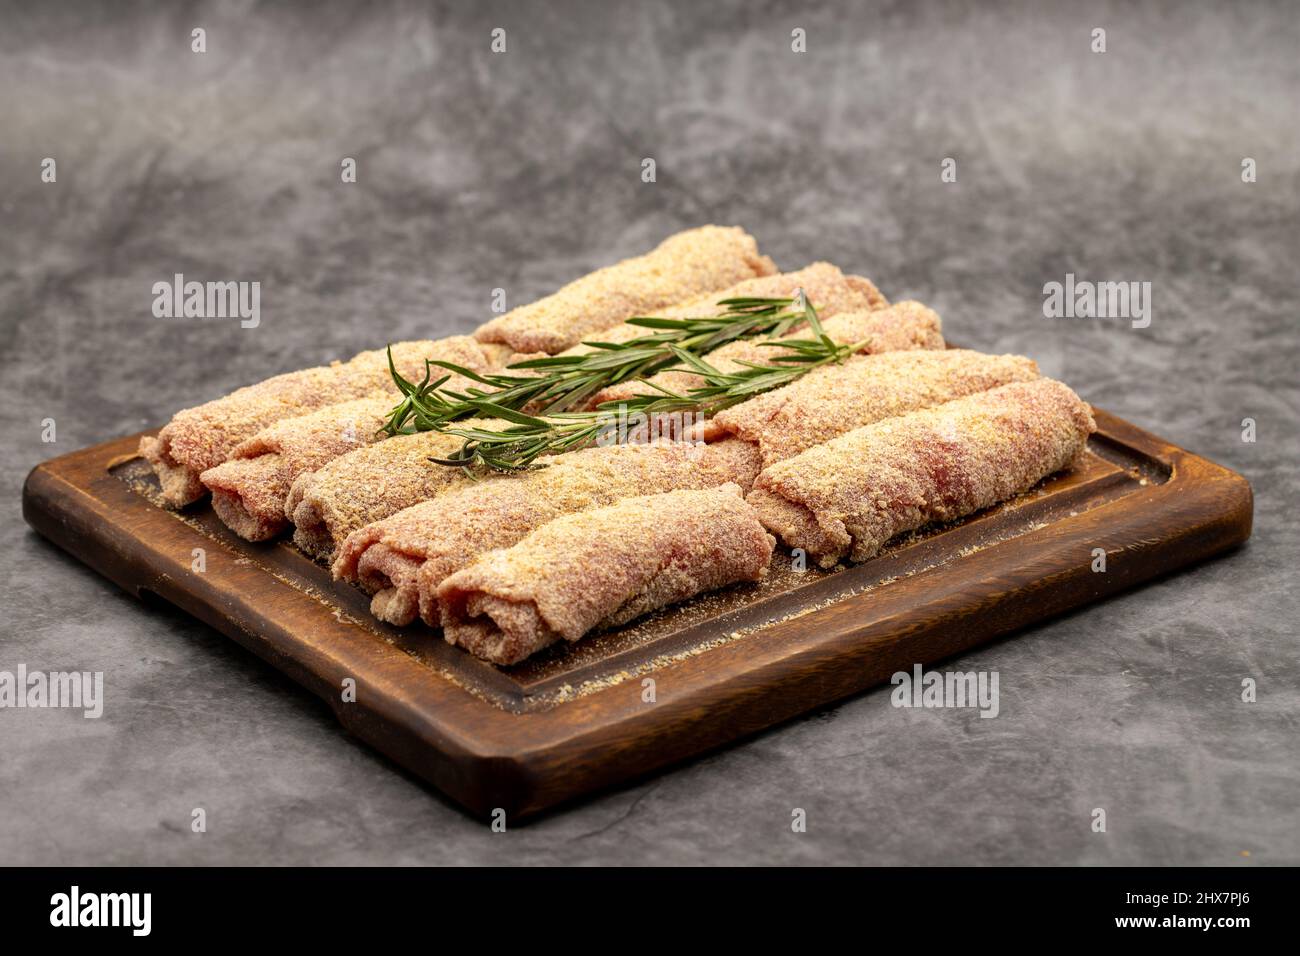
[[521, 170]]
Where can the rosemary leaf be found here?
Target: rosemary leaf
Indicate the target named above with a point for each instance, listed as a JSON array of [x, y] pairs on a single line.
[[563, 382], [535, 409]]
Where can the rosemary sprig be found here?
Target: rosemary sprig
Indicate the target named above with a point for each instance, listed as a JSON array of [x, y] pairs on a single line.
[[518, 445], [560, 382]]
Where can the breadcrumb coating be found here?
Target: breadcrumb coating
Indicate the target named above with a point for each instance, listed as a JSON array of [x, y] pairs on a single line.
[[250, 489], [602, 567], [369, 484], [829, 401], [906, 325], [851, 495], [402, 559], [204, 436], [683, 266], [829, 289]]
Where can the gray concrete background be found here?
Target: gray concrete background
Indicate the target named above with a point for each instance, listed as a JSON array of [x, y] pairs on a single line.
[[521, 170]]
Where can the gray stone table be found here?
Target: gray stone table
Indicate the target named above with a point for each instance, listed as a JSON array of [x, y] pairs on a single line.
[[522, 169]]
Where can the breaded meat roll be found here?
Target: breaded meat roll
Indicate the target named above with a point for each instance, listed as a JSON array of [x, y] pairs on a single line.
[[850, 496], [601, 568]]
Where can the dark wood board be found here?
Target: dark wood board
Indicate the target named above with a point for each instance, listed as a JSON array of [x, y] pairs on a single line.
[[725, 666]]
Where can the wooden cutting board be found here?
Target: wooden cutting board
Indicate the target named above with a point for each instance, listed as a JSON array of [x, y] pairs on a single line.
[[726, 665]]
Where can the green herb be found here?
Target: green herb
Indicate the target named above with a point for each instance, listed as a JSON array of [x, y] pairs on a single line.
[[561, 382], [525, 438]]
